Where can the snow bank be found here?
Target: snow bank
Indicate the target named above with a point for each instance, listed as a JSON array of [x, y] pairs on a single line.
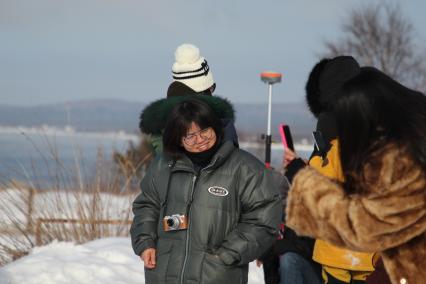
[[109, 260]]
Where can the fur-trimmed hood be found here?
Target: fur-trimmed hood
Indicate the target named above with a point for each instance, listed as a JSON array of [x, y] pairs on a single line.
[[153, 118]]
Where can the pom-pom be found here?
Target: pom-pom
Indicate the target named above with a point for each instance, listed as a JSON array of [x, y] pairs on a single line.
[[187, 54]]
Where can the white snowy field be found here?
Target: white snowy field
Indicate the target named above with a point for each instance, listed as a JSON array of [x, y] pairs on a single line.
[[109, 260]]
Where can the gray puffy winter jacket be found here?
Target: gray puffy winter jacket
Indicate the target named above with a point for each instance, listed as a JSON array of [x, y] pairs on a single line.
[[233, 207]]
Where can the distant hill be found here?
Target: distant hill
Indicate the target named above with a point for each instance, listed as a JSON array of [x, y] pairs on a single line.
[[106, 115], [90, 115]]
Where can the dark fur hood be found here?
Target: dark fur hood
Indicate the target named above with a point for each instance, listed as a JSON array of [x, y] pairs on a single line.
[[325, 81], [153, 118]]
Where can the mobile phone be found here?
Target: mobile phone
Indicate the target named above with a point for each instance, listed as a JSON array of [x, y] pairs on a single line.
[[286, 137], [319, 141]]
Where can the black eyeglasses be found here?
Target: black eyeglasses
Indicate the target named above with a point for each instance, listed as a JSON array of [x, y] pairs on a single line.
[[205, 134]]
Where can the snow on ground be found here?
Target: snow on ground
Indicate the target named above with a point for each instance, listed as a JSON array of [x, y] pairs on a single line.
[[109, 260], [57, 204], [104, 261]]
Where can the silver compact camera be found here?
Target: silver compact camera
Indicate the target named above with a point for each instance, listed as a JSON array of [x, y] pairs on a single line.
[[175, 222]]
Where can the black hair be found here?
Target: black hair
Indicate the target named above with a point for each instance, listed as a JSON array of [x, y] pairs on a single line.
[[177, 89], [180, 119], [372, 111]]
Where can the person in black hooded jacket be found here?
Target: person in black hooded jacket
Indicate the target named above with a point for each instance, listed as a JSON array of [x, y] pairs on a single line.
[[191, 77], [296, 252]]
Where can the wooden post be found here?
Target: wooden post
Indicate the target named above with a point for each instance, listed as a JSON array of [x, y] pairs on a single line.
[[30, 209], [38, 232], [40, 221]]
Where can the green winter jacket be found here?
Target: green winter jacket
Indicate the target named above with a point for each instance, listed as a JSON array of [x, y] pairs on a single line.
[[234, 210]]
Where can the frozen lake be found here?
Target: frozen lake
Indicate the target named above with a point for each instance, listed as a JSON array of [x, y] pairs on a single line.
[[30, 155]]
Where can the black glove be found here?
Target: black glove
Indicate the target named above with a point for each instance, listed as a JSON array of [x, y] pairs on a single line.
[[293, 168]]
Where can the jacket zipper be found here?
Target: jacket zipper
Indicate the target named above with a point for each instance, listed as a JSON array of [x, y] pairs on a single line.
[[194, 179]]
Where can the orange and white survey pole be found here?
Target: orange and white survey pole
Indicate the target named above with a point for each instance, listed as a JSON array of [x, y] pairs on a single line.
[[270, 78]]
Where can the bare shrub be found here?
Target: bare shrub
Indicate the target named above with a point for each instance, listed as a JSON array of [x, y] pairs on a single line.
[[72, 206], [133, 163]]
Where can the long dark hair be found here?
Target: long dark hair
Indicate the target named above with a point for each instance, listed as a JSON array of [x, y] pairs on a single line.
[[374, 110], [180, 119]]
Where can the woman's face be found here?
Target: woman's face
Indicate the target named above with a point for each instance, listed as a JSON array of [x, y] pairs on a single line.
[[198, 140]]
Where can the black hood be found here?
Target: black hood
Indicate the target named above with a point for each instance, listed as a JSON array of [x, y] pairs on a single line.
[[325, 80]]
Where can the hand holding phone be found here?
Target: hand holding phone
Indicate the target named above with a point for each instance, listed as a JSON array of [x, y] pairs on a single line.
[[286, 137]]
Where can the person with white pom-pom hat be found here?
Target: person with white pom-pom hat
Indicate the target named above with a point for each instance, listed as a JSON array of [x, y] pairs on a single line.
[[191, 75]]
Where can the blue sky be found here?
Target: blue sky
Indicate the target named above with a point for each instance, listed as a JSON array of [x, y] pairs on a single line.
[[53, 51]]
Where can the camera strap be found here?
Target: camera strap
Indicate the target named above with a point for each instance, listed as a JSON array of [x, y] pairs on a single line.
[[167, 177]]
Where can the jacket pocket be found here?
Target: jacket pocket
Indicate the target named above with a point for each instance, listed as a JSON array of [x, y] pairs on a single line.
[[158, 274], [215, 271]]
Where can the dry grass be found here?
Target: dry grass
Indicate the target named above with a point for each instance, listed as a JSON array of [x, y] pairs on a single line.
[[82, 202]]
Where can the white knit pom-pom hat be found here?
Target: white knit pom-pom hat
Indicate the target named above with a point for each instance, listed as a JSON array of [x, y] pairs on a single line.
[[191, 69]]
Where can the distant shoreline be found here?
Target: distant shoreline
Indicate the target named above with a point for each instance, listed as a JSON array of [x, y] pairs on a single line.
[[119, 135], [68, 132], [276, 146]]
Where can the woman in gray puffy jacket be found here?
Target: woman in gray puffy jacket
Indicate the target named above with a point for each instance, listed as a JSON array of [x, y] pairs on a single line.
[[206, 208]]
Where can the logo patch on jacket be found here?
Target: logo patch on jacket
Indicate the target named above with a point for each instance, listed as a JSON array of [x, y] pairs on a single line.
[[218, 191]]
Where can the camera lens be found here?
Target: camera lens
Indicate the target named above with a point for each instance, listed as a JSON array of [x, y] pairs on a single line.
[[173, 222], [170, 222]]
